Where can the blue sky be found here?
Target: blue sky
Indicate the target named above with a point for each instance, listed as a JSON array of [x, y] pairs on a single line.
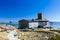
[[27, 9]]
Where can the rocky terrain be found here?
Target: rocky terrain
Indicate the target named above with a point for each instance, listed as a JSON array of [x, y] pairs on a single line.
[[34, 36], [3, 36], [26, 35]]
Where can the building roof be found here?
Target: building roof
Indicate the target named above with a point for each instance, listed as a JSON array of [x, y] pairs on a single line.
[[37, 20]]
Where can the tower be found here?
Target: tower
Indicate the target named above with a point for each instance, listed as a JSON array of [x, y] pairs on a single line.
[[39, 15]]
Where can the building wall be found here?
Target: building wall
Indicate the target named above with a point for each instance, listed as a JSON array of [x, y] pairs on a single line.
[[33, 24], [23, 24], [37, 24], [42, 24]]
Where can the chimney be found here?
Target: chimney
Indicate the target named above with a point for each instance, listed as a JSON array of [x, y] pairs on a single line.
[[39, 15]]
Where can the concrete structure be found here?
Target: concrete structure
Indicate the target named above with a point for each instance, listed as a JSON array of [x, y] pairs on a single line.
[[40, 22]]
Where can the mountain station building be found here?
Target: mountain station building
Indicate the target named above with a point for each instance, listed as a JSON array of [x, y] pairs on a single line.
[[40, 22]]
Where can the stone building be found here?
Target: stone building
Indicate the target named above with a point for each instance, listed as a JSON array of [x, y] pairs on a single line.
[[40, 22]]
